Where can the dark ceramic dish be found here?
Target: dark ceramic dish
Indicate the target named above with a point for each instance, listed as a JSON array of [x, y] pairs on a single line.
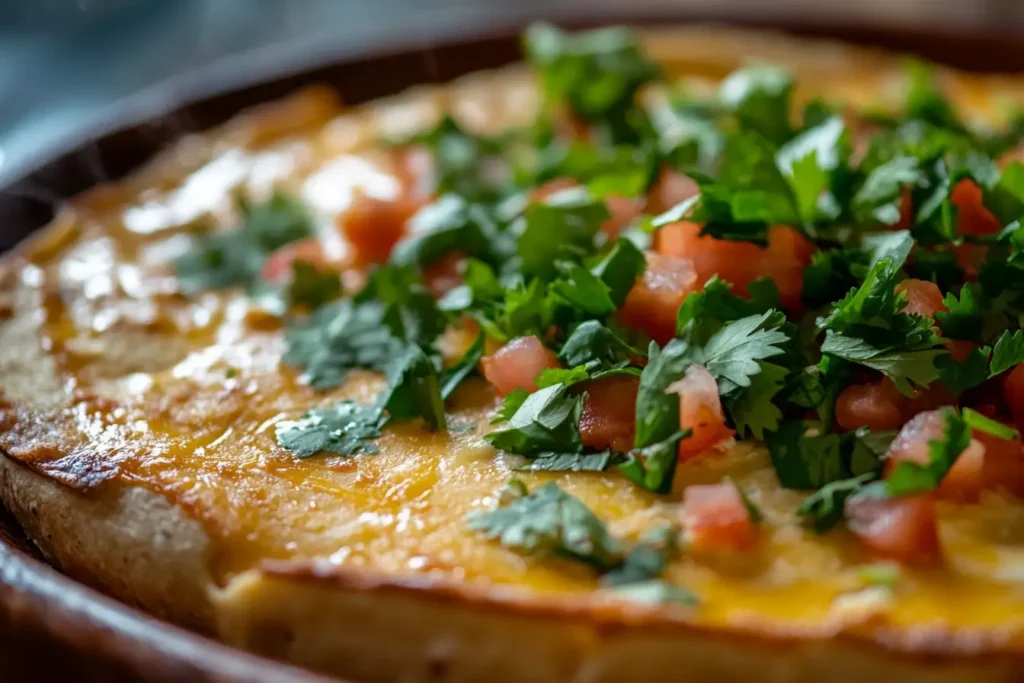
[[52, 628]]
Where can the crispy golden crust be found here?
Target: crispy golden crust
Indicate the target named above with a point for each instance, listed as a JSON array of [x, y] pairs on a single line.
[[79, 505]]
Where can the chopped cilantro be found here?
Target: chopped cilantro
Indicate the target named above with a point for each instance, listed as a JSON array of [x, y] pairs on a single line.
[[337, 338], [571, 462], [824, 508], [596, 72], [647, 560], [807, 457], [235, 257], [653, 466], [547, 421], [345, 428], [311, 287], [1007, 352], [549, 521]]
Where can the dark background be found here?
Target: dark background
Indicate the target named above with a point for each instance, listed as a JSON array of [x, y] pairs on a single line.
[[66, 66]]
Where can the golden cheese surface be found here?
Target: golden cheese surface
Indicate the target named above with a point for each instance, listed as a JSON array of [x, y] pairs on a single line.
[[182, 395]]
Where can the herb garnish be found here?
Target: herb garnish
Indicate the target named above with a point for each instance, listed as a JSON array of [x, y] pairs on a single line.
[[550, 522], [234, 257]]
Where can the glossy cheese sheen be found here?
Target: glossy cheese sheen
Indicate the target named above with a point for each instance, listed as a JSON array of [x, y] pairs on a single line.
[[181, 396]]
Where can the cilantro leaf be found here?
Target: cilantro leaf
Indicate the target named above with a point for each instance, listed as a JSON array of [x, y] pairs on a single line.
[[563, 225], [829, 275], [312, 287], [653, 467], [752, 410], [583, 290], [448, 225], [414, 390], [704, 312], [549, 521], [337, 338], [571, 462], [547, 421], [509, 405], [809, 161], [731, 355], [657, 413], [464, 164], [925, 99], [879, 198], [825, 507], [759, 98], [597, 72], [963, 317], [902, 366], [807, 457], [959, 376], [1007, 352], [409, 309], [345, 428], [593, 342], [620, 269], [647, 560]]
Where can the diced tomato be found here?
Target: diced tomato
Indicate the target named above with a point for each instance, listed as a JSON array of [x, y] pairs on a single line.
[[653, 302], [740, 263], [1013, 392], [278, 265], [972, 217], [442, 276], [1004, 463], [970, 257], [609, 413], [373, 226], [877, 406], [964, 480], [700, 409], [517, 364], [789, 253], [734, 261], [622, 210], [923, 298], [929, 398], [715, 519], [959, 349], [881, 406], [901, 528], [670, 189]]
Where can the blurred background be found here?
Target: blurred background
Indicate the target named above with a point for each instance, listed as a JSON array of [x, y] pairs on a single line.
[[68, 68]]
